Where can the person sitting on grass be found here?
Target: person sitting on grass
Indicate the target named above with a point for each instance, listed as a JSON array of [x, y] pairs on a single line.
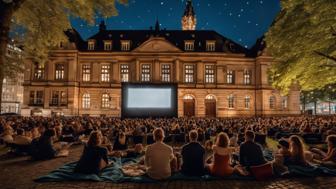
[[159, 157], [94, 157], [221, 159], [297, 152], [193, 155], [328, 159]]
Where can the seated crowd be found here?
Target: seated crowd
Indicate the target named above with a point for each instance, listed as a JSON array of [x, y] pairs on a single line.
[[220, 147]]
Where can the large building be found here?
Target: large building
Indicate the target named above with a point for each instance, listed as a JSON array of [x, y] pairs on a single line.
[[216, 77], [12, 89]]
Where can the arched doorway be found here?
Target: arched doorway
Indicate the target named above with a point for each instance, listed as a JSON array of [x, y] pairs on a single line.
[[210, 106], [188, 106]]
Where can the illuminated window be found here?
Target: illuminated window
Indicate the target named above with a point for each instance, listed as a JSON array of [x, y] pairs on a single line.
[[165, 72], [91, 45], [105, 73], [209, 74], [247, 77], [230, 77], [189, 73], [39, 71], [272, 102], [125, 45], [145, 72], [189, 45], [210, 46], [124, 73], [107, 45], [59, 71], [231, 101], [105, 101], [284, 102], [86, 101], [210, 97], [188, 97], [86, 72], [247, 102]]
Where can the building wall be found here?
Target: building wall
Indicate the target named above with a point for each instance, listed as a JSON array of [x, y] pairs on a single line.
[[259, 89]]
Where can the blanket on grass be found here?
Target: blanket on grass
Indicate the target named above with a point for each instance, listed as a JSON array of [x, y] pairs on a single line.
[[114, 174]]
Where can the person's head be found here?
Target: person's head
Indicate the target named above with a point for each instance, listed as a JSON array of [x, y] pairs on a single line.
[[49, 133], [20, 132], [158, 134], [222, 140], [331, 141], [283, 144], [95, 139], [193, 135], [249, 135], [138, 148], [208, 144], [296, 148]]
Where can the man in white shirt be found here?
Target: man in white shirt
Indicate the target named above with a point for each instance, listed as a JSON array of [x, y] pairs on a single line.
[[159, 157]]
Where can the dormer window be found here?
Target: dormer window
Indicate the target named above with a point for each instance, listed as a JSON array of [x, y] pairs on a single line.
[[189, 45], [210, 46], [91, 45], [125, 45], [107, 45]]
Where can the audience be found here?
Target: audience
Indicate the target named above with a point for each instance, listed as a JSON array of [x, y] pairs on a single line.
[[159, 157], [193, 155], [94, 157]]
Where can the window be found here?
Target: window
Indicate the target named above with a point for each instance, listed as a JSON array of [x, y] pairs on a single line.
[[165, 72], [107, 45], [210, 97], [36, 98], [284, 102], [210, 46], [91, 45], [272, 102], [124, 73], [145, 72], [125, 45], [105, 101], [59, 71], [58, 98], [247, 77], [39, 71], [105, 73], [189, 73], [189, 45], [86, 71], [247, 102], [86, 101], [188, 97], [231, 101], [209, 74], [230, 79]]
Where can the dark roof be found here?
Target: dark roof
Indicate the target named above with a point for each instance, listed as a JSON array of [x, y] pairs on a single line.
[[257, 48], [176, 37]]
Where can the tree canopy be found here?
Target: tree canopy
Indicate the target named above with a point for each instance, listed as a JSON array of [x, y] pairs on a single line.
[[303, 42]]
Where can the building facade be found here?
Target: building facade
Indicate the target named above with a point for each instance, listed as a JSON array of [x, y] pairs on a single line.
[[12, 88], [216, 77]]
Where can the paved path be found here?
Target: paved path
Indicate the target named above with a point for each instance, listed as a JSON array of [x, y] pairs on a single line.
[[18, 173]]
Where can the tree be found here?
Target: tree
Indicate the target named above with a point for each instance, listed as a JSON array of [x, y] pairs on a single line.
[[43, 23], [303, 42]]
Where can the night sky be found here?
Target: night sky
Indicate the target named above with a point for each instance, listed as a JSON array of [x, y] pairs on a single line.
[[240, 20]]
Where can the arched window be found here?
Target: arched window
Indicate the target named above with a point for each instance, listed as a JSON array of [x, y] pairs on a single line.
[[86, 101], [284, 102], [210, 97], [105, 101], [272, 102], [231, 101], [188, 97], [247, 102]]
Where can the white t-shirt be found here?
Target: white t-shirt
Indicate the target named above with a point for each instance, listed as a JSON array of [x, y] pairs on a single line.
[[157, 159]]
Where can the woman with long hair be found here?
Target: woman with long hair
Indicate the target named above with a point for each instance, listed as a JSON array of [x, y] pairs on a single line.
[[222, 158], [94, 157], [297, 153]]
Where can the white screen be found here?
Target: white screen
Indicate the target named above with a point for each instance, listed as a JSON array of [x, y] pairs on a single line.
[[148, 98]]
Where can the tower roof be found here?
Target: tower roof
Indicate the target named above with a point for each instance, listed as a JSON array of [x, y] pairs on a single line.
[[189, 10]]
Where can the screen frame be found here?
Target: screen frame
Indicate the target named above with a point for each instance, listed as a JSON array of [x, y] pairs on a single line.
[[149, 112]]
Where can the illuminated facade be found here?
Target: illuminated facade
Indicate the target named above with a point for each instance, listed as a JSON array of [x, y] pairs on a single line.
[[216, 77]]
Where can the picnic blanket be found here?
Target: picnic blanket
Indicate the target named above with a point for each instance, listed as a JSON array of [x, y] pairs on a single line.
[[115, 174]]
